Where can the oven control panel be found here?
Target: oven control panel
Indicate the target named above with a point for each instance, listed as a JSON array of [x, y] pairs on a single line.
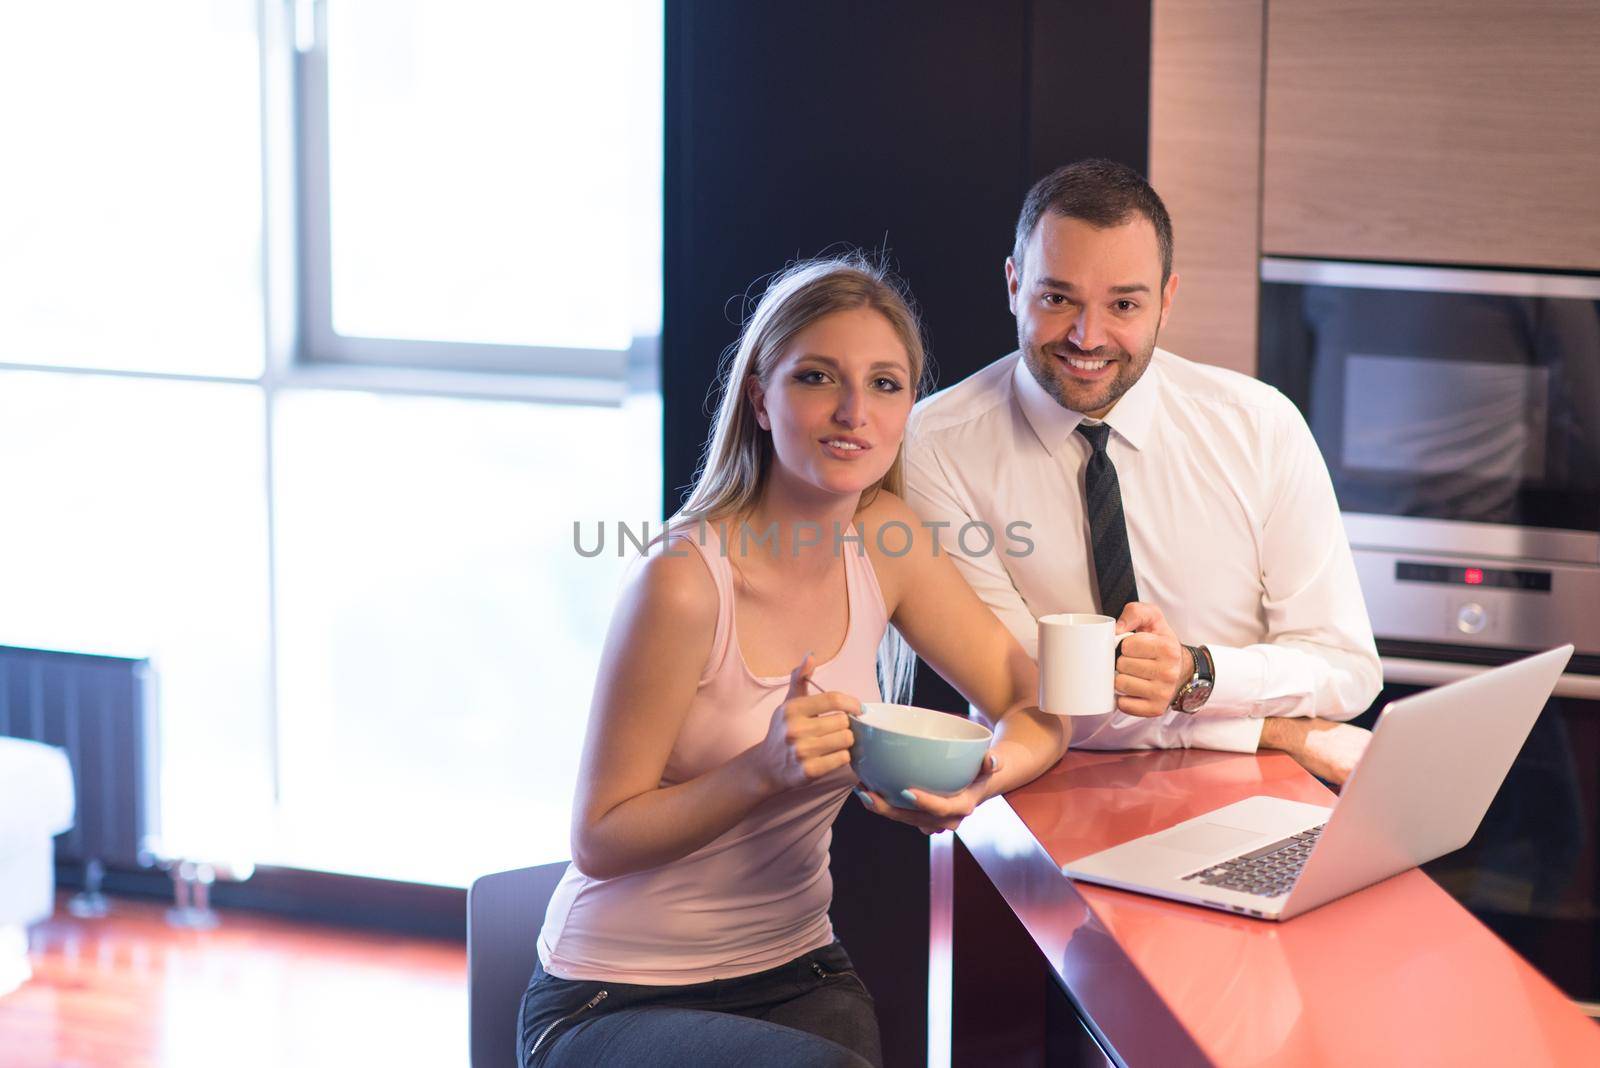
[[1499, 578], [1452, 599]]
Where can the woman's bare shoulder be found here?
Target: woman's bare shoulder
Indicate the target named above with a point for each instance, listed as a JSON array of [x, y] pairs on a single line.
[[673, 583], [898, 544], [885, 508]]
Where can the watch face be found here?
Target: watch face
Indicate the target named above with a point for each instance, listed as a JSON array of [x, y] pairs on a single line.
[[1194, 695]]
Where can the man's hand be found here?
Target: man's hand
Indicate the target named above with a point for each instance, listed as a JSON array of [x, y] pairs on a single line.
[[1326, 749], [1152, 665]]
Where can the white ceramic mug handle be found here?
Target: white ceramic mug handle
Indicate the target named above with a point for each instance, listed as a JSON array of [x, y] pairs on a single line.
[[1116, 651]]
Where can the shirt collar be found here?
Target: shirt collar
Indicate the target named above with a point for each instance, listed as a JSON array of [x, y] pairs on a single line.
[[1130, 418]]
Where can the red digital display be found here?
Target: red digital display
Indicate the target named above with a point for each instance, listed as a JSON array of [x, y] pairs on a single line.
[[1487, 577]]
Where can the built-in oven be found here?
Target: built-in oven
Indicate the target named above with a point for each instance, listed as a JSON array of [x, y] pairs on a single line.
[[1458, 411], [1459, 414]]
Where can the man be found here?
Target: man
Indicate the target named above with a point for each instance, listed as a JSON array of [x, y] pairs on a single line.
[[1188, 501]]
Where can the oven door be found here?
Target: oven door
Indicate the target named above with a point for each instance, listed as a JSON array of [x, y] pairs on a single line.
[[1532, 872], [1442, 394]]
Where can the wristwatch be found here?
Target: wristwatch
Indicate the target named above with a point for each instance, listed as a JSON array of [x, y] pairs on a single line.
[[1194, 693]]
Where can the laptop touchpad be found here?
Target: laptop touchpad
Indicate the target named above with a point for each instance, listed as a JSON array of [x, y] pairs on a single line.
[[1207, 838]]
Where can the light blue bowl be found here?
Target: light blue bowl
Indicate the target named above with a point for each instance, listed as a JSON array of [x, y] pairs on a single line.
[[901, 746]]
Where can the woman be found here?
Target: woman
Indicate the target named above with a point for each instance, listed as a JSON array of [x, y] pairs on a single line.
[[692, 927]]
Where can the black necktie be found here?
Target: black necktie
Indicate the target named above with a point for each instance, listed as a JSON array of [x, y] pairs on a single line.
[[1108, 534]]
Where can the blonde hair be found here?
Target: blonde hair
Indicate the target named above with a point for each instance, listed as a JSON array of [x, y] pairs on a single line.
[[738, 456]]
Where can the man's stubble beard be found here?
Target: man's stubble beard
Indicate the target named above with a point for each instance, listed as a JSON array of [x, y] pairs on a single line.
[[1129, 371]]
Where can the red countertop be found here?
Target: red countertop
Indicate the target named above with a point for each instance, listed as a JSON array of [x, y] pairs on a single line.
[[1398, 973]]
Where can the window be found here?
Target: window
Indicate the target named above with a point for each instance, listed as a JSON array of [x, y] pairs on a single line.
[[483, 184], [332, 494]]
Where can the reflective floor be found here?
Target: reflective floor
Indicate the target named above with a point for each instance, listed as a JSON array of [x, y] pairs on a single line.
[[131, 992]]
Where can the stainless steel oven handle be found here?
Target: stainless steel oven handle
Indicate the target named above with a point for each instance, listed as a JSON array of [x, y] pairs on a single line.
[[1428, 279], [1435, 672]]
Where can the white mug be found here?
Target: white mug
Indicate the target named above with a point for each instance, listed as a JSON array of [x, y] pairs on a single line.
[[1077, 664]]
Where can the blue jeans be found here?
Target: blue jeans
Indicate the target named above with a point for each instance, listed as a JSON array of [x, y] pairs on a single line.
[[812, 1011]]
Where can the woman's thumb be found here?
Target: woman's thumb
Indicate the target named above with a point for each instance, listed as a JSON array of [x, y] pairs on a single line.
[[799, 677]]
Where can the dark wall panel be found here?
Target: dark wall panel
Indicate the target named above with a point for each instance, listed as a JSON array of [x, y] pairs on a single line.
[[1088, 85], [795, 128]]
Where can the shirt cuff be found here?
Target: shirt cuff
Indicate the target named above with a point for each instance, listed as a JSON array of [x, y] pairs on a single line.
[[1238, 679], [1175, 730], [1241, 734]]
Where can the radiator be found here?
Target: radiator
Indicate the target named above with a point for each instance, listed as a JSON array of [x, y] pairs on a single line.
[[101, 710]]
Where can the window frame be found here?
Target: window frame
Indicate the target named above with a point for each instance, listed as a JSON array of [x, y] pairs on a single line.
[[544, 372]]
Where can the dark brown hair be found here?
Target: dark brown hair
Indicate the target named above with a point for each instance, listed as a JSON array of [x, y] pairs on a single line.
[[1101, 193]]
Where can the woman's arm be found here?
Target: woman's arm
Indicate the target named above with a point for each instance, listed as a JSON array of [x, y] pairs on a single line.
[[949, 627], [660, 636]]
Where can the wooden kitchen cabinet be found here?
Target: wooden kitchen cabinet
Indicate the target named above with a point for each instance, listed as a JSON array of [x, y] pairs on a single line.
[[1433, 131], [1205, 161]]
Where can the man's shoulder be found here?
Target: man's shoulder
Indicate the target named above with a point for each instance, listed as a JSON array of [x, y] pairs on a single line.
[[1214, 388], [970, 400]]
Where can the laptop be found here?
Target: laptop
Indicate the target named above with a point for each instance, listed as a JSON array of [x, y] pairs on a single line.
[[1434, 763]]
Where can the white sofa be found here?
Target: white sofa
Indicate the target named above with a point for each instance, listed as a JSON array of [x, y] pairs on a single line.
[[36, 804]]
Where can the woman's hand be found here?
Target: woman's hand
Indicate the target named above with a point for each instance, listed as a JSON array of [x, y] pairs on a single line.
[[809, 736], [936, 812]]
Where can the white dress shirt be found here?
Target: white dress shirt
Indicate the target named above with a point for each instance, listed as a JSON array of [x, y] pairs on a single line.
[[1232, 524]]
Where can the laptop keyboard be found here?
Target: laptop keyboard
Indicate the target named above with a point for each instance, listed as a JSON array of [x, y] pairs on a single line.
[[1269, 871]]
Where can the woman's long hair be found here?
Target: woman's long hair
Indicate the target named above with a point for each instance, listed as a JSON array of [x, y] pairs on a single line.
[[738, 457]]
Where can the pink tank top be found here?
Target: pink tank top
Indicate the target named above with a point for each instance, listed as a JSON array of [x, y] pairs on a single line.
[[757, 896]]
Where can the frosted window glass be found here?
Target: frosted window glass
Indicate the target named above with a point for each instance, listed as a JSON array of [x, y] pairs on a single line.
[[438, 632], [495, 170], [130, 196]]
